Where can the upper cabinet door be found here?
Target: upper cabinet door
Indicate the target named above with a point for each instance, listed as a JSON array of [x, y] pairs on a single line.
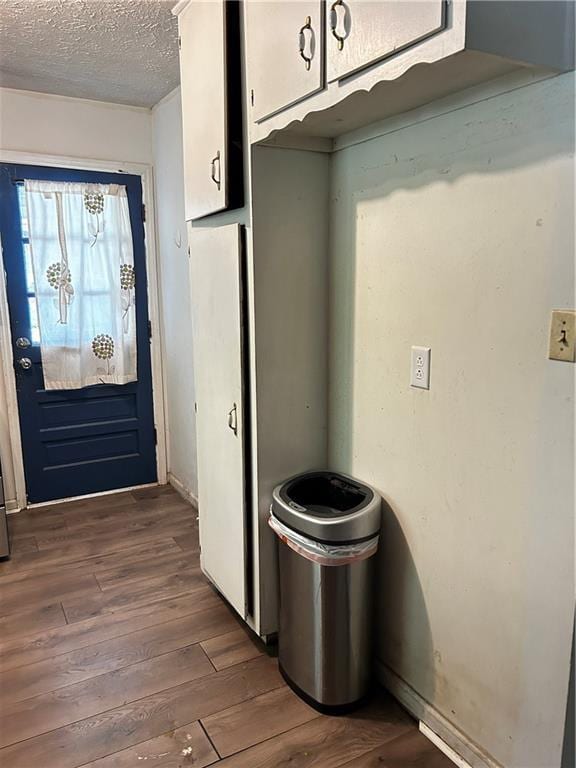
[[360, 33], [285, 53], [209, 40]]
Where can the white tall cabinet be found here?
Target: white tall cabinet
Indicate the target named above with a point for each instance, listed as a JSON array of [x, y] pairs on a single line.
[[259, 307], [217, 298]]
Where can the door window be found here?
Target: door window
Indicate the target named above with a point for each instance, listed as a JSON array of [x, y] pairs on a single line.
[[29, 272], [80, 282]]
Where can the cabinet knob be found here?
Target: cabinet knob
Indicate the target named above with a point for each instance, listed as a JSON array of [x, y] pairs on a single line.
[[304, 38], [334, 22]]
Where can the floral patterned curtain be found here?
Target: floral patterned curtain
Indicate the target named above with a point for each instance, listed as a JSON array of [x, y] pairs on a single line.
[[83, 264]]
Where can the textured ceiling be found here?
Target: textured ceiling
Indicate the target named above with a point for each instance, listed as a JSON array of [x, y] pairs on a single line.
[[125, 51]]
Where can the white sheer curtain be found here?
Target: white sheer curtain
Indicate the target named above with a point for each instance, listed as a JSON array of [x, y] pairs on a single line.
[[83, 264]]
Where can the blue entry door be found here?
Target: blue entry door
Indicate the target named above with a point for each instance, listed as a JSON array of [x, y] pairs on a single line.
[[88, 440]]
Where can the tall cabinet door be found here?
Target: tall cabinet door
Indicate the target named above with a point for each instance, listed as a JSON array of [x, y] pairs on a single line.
[[216, 284], [202, 32], [361, 32], [285, 53]]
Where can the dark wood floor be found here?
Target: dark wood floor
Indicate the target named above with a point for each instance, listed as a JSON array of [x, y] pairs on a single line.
[[115, 652]]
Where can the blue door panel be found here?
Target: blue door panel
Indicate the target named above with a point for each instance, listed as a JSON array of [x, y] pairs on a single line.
[[106, 474], [95, 447], [86, 440], [78, 431], [79, 412]]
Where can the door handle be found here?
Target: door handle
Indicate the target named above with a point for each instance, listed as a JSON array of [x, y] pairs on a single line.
[[233, 419], [25, 363], [302, 42], [334, 22], [215, 161]]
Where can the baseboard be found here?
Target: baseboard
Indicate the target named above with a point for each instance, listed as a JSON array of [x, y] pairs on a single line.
[[442, 746], [180, 488], [465, 749]]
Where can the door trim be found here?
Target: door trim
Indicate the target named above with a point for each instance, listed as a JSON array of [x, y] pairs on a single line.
[[10, 440]]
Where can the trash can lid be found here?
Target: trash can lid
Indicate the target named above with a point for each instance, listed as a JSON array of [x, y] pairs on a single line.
[[328, 506]]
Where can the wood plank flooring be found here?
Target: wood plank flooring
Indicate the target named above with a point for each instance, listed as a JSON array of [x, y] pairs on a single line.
[[115, 652]]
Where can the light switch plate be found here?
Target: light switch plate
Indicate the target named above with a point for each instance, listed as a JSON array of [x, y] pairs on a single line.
[[562, 344], [420, 368]]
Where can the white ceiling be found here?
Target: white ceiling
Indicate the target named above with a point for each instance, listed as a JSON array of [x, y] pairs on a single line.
[[124, 51]]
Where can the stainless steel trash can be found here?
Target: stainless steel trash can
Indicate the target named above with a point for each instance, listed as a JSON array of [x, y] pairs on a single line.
[[328, 526]]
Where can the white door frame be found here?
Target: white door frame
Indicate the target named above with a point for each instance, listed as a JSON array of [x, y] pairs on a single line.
[[10, 429]]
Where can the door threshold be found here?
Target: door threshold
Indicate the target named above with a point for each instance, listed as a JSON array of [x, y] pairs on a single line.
[[40, 504]]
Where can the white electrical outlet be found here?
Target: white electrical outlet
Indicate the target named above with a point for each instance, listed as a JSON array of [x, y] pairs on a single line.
[[420, 368]]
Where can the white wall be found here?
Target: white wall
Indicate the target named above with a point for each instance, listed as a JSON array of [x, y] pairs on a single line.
[[176, 315], [59, 125], [39, 123], [457, 233]]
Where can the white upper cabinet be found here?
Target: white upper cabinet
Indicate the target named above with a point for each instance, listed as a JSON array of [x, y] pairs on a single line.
[[360, 33], [203, 79], [211, 106], [381, 58], [285, 53]]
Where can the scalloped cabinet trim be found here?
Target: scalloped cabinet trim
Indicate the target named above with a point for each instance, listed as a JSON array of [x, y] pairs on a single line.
[[377, 60]]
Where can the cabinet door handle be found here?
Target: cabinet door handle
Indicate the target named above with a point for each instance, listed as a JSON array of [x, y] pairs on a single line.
[[302, 42], [233, 419], [334, 21], [215, 169]]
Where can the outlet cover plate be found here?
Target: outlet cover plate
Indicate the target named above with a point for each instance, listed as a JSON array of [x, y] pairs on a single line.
[[562, 344], [420, 368]]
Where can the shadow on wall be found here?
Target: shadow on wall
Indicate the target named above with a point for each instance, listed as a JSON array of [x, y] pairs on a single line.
[[440, 151], [403, 625], [477, 140]]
